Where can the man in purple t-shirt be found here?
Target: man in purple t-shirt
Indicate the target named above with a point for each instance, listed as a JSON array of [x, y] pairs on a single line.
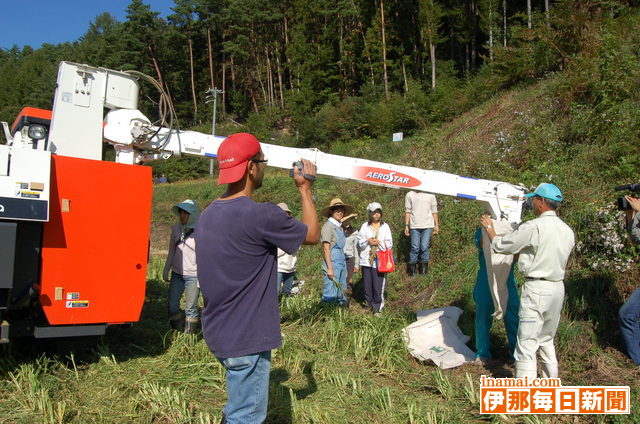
[[236, 251]]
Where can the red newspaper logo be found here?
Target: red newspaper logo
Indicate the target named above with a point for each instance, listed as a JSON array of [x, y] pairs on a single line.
[[494, 401], [617, 401], [548, 396], [592, 400], [542, 401]]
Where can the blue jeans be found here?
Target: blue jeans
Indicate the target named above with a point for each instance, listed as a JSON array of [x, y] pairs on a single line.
[[420, 240], [331, 292], [247, 388], [187, 284], [288, 278], [629, 316]]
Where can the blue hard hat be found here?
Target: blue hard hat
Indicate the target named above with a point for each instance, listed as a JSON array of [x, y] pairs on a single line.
[[548, 191]]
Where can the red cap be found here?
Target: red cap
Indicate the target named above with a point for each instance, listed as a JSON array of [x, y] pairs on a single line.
[[233, 155]]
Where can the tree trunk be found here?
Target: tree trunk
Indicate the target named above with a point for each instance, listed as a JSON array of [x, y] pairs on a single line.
[[432, 56], [224, 84], [404, 76], [466, 57], [529, 14], [474, 33], [193, 82], [364, 41], [452, 50], [384, 53], [213, 83], [286, 45], [280, 82], [262, 88], [546, 13], [422, 47], [233, 74], [272, 82], [504, 23], [343, 73], [253, 101], [491, 30]]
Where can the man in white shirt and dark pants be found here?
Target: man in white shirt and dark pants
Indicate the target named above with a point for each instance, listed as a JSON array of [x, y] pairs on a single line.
[[421, 222], [544, 245]]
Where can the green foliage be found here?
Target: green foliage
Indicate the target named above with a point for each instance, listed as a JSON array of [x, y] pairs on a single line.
[[285, 62], [601, 240], [181, 168], [263, 124]]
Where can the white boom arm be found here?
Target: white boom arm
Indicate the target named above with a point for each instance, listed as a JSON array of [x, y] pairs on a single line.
[[132, 134]]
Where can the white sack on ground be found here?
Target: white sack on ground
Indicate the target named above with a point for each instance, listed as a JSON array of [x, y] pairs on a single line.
[[435, 336], [498, 268]]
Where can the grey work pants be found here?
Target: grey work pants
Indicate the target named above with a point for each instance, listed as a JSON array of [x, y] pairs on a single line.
[[540, 307]]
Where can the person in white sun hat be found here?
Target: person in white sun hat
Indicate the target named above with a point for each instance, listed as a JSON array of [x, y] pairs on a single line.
[[374, 234]]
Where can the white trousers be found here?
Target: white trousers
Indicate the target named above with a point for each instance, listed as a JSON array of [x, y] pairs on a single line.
[[540, 307]]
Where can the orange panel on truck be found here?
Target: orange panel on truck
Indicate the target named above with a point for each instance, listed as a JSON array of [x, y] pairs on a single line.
[[96, 243]]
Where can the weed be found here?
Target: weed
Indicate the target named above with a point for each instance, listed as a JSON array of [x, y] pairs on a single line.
[[443, 384], [471, 391], [165, 403]]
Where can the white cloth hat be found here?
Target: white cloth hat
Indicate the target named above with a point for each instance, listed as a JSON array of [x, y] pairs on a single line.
[[373, 206]]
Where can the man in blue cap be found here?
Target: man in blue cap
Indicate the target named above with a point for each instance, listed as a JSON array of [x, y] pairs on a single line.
[[544, 245], [629, 313]]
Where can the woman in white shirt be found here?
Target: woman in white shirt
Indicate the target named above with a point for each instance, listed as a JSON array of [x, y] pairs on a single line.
[[181, 262], [374, 235]]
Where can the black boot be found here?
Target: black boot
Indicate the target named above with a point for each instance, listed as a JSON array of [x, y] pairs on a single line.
[[191, 326], [411, 269], [424, 268], [177, 321]]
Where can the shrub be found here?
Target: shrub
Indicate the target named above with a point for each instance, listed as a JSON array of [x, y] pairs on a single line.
[[262, 124], [181, 168], [601, 240]]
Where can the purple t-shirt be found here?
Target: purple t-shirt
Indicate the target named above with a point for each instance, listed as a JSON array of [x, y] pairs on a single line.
[[236, 249]]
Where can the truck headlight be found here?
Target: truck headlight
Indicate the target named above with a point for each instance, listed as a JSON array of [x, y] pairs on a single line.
[[37, 132]]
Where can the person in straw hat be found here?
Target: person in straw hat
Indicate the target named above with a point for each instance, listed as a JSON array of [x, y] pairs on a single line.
[[333, 239]]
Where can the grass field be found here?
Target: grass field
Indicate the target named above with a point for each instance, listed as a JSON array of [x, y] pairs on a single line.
[[344, 366]]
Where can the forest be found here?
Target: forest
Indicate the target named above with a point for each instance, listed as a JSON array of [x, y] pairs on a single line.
[[322, 70], [521, 91]]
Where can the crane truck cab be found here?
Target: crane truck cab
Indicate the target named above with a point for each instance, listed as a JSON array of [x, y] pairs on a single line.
[[74, 236]]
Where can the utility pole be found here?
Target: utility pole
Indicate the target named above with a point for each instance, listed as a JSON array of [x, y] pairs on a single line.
[[212, 96]]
